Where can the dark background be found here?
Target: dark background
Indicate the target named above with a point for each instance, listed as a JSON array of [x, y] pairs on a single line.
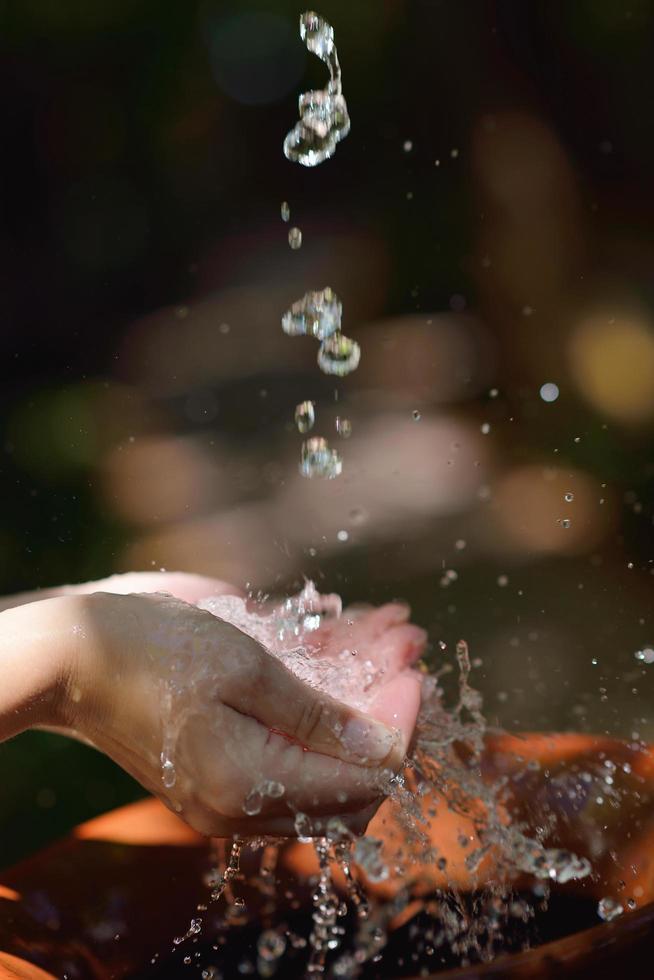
[[147, 391]]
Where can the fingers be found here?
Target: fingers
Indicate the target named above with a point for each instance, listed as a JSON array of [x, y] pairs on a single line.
[[228, 773], [397, 704], [264, 689]]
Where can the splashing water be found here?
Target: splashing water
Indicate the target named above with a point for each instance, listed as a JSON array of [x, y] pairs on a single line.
[[443, 770], [324, 119]]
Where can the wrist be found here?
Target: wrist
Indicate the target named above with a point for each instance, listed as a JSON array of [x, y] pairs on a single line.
[[39, 645]]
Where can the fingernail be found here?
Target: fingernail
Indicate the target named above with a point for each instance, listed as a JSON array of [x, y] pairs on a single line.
[[367, 740]]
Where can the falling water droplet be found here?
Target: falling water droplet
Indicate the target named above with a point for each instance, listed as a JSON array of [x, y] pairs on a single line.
[[343, 427], [285, 211], [318, 460], [317, 314], [324, 119], [305, 416], [253, 802], [295, 238], [608, 909], [339, 355], [303, 828], [271, 945]]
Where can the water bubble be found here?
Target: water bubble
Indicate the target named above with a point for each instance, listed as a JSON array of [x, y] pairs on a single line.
[[285, 211], [568, 497], [339, 355], [343, 427], [324, 119], [493, 393], [295, 238], [485, 428], [460, 544], [608, 909], [357, 515], [407, 146], [416, 415], [253, 802], [549, 392], [343, 536], [565, 522], [318, 460], [646, 655], [271, 945], [317, 314], [502, 581], [303, 828], [305, 416]]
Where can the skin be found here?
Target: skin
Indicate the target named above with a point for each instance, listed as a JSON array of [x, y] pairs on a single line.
[[88, 661]]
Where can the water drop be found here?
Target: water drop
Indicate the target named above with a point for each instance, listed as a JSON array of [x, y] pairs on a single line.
[[271, 945], [285, 211], [317, 34], [318, 460], [416, 415], [305, 416], [343, 427], [339, 355], [367, 854], [168, 774], [253, 802], [493, 393], [549, 392], [407, 146], [343, 536], [324, 119], [646, 655], [502, 581], [295, 238], [568, 497], [608, 909], [272, 788], [485, 428], [565, 523], [317, 314], [303, 828]]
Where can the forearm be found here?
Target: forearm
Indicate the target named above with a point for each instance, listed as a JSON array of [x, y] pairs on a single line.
[[37, 646]]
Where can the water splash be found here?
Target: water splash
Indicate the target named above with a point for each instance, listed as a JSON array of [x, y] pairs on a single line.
[[324, 119], [444, 771]]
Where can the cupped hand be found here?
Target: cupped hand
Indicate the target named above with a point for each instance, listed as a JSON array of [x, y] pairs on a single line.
[[142, 664]]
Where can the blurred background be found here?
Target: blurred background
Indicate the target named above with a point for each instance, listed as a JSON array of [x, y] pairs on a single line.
[[487, 225]]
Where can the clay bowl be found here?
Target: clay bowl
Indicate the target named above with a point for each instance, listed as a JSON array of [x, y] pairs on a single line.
[[108, 901]]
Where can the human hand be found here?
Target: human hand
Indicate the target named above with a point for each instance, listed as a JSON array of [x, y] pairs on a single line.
[[241, 716]]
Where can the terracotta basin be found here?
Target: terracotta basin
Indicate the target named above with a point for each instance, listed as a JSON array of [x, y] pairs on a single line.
[[108, 901]]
